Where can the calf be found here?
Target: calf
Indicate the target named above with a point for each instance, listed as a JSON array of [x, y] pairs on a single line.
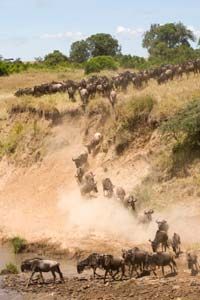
[[38, 265]]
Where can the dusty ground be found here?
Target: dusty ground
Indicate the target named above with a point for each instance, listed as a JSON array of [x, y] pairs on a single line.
[[180, 287]]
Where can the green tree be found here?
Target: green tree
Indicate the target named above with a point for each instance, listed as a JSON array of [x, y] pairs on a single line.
[[55, 58], [79, 51], [161, 38], [103, 44]]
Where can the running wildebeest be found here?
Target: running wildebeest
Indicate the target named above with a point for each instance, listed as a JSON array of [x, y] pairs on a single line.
[[192, 261], [135, 258], [120, 194], [89, 187], [95, 141], [130, 201], [161, 259], [92, 261], [163, 225], [108, 187], [160, 238], [110, 263], [176, 244], [38, 265], [81, 159], [147, 217]]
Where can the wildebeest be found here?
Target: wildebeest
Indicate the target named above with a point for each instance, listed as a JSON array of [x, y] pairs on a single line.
[[163, 225], [84, 96], [110, 263], [108, 187], [135, 258], [81, 159], [120, 193], [160, 238], [89, 177], [88, 187], [192, 261], [113, 98], [38, 265], [176, 243], [95, 141], [79, 174], [146, 218], [161, 259], [130, 201], [92, 261]]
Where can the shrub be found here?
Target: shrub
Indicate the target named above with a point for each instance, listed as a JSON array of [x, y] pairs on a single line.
[[184, 127], [134, 111], [19, 244], [99, 63], [9, 269]]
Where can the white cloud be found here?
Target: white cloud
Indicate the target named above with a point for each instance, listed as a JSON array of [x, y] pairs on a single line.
[[196, 31], [63, 35], [129, 31]]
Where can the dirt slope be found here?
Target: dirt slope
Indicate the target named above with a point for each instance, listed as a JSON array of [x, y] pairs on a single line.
[[44, 201]]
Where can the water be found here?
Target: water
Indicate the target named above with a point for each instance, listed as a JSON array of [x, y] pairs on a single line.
[[7, 256]]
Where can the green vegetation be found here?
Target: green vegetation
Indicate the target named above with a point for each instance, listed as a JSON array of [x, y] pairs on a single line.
[[9, 269], [19, 244], [9, 144], [55, 58], [100, 63], [184, 128], [168, 41], [131, 116], [100, 44]]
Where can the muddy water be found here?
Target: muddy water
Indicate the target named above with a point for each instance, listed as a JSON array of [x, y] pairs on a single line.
[[7, 256]]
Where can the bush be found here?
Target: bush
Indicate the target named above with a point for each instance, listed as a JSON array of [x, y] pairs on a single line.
[[99, 63], [19, 244], [134, 111], [184, 128], [9, 269]]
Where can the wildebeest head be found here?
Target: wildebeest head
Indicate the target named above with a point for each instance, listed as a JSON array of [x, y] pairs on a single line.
[[26, 265], [80, 268], [154, 245]]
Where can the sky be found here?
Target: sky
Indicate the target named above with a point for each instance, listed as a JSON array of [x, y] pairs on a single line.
[[33, 28]]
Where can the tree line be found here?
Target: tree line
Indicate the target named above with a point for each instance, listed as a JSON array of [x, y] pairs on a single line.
[[170, 43]]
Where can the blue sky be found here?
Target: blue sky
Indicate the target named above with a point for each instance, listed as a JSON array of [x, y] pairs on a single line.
[[32, 28]]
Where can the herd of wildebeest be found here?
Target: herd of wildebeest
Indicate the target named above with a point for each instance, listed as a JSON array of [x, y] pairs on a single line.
[[108, 87], [136, 261]]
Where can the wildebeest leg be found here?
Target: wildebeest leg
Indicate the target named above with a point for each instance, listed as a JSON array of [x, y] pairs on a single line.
[[32, 274], [114, 275], [163, 271], [42, 276], [106, 272], [95, 273], [60, 274], [54, 276]]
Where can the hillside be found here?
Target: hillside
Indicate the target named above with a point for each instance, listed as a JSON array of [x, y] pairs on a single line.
[[39, 196]]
